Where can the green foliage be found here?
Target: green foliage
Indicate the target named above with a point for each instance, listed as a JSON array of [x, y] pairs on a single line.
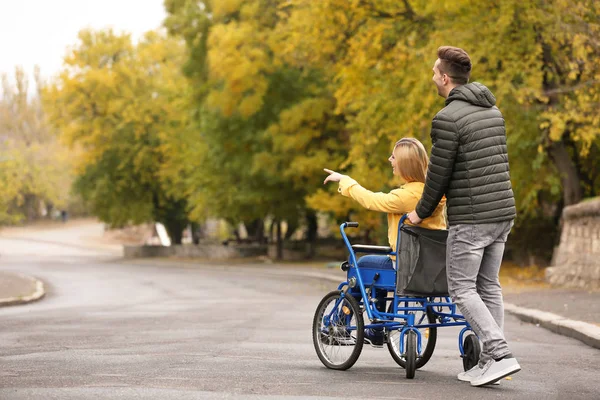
[[236, 113], [539, 58], [360, 72], [269, 127], [124, 107]]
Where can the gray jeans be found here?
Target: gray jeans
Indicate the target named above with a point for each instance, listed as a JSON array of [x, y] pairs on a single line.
[[473, 257]]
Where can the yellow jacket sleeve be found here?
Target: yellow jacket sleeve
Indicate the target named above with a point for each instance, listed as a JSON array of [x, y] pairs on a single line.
[[398, 201]]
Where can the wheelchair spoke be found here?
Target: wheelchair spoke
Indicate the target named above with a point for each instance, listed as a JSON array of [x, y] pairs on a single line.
[[337, 331]]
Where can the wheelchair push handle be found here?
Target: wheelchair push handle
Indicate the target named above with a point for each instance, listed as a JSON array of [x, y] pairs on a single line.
[[400, 225], [349, 224], [343, 226], [402, 219]]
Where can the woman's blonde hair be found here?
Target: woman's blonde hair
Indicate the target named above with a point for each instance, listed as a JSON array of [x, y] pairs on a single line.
[[411, 160]]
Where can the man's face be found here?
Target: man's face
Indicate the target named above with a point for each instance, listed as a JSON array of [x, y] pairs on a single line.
[[440, 80]]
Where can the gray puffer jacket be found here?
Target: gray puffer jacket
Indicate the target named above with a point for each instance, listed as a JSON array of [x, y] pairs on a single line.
[[469, 160]]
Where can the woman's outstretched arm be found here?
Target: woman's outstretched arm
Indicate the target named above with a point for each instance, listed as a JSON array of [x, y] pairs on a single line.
[[398, 201]]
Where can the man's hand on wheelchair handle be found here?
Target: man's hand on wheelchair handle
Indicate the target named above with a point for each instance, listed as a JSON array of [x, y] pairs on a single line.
[[333, 176], [414, 218]]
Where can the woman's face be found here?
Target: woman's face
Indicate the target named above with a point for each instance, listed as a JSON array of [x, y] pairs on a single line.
[[392, 161]]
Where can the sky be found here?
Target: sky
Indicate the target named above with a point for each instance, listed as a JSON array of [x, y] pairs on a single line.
[[40, 31]]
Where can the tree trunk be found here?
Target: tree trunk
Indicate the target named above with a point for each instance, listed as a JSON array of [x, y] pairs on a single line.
[[279, 241], [256, 230], [367, 236], [292, 227], [196, 232], [173, 215], [30, 207], [175, 229], [271, 229], [49, 210], [311, 232], [557, 150], [236, 233], [569, 177]]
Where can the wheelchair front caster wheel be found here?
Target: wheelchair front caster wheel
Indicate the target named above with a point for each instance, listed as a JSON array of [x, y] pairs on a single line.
[[411, 354], [472, 350]]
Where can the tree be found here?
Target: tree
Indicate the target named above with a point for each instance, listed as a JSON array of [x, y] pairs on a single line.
[[537, 57], [125, 106], [284, 87], [269, 125], [34, 170]]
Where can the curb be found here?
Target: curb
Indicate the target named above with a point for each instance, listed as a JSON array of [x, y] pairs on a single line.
[[582, 331], [35, 296]]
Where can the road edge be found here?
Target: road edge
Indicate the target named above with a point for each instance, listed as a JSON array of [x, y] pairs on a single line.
[[582, 331], [37, 294]]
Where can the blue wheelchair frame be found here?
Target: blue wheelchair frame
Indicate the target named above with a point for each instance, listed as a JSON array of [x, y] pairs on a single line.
[[388, 320]]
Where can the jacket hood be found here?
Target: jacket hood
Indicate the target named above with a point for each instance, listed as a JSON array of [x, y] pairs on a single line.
[[474, 93]]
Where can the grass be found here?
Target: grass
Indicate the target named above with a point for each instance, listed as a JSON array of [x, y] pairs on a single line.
[[517, 277]]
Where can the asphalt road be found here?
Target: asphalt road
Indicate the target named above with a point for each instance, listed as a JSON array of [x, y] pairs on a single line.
[[167, 330]]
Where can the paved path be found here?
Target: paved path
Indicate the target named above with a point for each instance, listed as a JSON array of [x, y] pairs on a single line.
[[170, 330], [178, 330]]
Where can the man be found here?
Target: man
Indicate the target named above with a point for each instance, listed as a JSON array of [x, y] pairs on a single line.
[[469, 165]]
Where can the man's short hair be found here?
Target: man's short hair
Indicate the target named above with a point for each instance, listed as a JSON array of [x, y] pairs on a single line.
[[456, 63]]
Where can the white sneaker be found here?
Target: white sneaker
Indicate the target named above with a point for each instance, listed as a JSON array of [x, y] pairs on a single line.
[[471, 374], [493, 371]]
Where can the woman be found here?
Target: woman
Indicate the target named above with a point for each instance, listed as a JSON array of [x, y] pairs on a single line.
[[409, 163]]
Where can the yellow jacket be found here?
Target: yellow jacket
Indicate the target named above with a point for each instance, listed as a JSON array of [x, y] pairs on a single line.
[[396, 203]]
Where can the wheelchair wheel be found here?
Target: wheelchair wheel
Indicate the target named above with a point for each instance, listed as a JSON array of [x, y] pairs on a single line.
[[338, 331], [428, 340], [411, 354], [472, 350]]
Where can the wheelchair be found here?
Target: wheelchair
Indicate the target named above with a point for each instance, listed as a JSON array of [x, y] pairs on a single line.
[[408, 320]]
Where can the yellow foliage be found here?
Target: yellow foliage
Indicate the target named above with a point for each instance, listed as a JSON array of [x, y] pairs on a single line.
[[123, 106], [368, 65], [378, 57], [34, 167], [222, 8]]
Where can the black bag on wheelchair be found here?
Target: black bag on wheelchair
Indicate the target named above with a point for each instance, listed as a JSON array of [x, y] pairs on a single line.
[[422, 262]]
